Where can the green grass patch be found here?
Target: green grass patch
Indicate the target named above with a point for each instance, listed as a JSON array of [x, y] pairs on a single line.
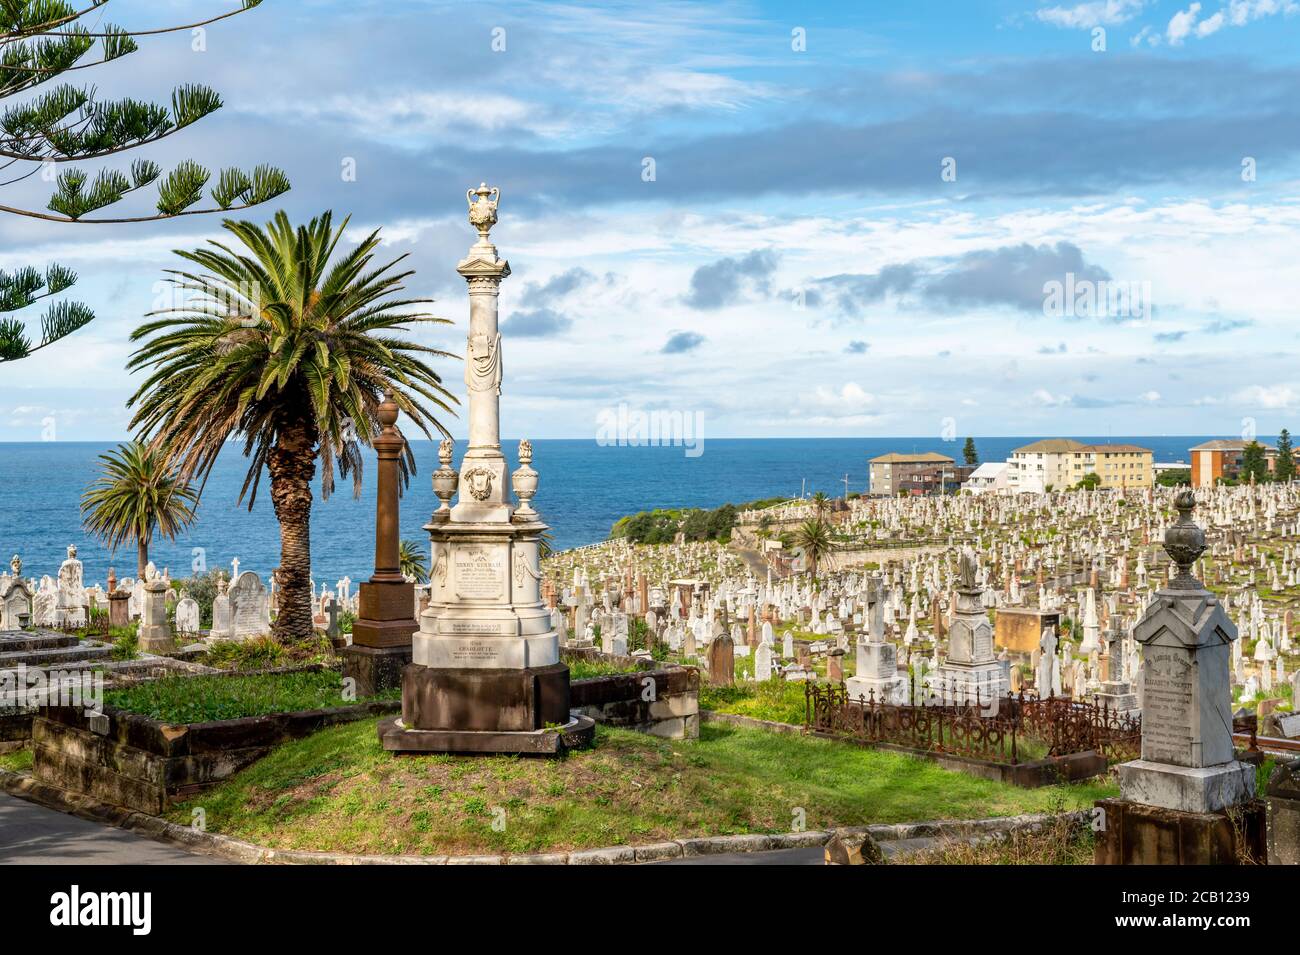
[[774, 700], [339, 791], [201, 699], [580, 669], [18, 761], [265, 653]]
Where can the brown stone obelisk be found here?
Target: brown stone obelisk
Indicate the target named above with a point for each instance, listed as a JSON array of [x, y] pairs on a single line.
[[381, 635]]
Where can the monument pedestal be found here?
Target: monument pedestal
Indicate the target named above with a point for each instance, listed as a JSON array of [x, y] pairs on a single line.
[[1119, 698], [381, 636], [1186, 788], [478, 710], [1137, 834], [374, 669]]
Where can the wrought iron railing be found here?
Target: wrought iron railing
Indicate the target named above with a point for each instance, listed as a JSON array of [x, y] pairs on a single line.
[[1010, 729]]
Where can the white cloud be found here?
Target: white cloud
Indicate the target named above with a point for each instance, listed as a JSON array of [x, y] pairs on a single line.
[[851, 399], [1181, 24], [1150, 397], [1084, 16], [1237, 13], [1268, 396]]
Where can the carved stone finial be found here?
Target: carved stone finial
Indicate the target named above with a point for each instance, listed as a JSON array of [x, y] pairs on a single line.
[[524, 482], [16, 565], [388, 412], [1184, 541], [445, 450], [483, 210]]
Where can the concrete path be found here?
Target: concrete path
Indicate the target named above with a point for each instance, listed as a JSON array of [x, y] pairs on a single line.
[[33, 835]]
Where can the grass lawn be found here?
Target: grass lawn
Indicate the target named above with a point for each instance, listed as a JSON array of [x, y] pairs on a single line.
[[580, 669], [774, 700], [18, 761], [339, 791], [199, 699]]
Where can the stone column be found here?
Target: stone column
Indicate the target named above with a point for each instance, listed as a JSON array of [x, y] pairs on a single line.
[[381, 635], [483, 469], [155, 634]]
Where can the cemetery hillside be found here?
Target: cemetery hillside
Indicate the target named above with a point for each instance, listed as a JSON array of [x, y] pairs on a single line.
[[742, 434]]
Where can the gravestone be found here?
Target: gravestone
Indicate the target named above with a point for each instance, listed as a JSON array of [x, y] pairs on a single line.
[[187, 615], [722, 661], [763, 663], [222, 624], [1175, 800], [250, 607]]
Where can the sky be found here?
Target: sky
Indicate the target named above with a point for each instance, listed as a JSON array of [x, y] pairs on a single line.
[[841, 219]]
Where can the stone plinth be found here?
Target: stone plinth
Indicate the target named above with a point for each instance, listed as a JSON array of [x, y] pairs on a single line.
[[877, 678], [1187, 789], [1136, 834], [1284, 814]]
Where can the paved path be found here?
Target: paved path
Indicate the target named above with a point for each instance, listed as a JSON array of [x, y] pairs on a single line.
[[33, 835]]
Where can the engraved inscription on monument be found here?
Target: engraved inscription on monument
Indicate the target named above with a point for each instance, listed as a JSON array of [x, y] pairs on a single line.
[[471, 652], [480, 571], [1167, 732]]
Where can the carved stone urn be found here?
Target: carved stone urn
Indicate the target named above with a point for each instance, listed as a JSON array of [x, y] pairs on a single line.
[[445, 480], [524, 482]]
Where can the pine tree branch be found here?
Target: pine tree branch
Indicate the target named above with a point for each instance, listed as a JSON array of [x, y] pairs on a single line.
[[50, 28]]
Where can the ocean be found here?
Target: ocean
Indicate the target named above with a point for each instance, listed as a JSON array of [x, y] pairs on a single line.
[[584, 488]]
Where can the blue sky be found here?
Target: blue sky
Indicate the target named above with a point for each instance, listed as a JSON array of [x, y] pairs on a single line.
[[799, 264]]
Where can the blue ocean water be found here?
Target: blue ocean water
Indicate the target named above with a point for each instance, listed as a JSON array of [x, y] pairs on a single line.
[[584, 488]]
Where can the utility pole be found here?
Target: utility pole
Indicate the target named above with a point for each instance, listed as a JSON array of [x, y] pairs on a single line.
[[846, 489]]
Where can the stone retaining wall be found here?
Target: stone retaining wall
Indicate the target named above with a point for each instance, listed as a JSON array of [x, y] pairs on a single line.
[[144, 764], [663, 702]]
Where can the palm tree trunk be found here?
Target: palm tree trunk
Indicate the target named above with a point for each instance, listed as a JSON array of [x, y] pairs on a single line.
[[292, 465], [141, 557]]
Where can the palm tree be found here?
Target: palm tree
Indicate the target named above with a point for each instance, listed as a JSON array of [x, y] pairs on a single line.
[[293, 355], [814, 537], [820, 503], [138, 492], [412, 562]]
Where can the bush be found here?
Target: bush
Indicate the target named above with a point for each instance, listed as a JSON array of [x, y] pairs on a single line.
[[203, 588]]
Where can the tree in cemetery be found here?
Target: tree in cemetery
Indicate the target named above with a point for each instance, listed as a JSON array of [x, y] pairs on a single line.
[[292, 353], [1284, 470], [412, 562], [969, 454], [814, 539], [42, 41], [1254, 463], [820, 502], [138, 493]]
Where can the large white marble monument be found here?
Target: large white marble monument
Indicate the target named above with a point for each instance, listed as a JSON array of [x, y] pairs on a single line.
[[486, 674]]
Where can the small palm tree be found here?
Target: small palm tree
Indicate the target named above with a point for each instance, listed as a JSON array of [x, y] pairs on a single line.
[[138, 492], [412, 562], [820, 503], [292, 354], [814, 538]]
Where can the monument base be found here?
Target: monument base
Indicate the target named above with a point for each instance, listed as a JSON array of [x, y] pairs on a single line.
[[1136, 834], [877, 690], [485, 699], [374, 669], [1184, 789], [1118, 698], [956, 684], [577, 733], [162, 642]]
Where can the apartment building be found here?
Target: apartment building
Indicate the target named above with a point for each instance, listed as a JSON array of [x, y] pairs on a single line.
[[1060, 463]]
